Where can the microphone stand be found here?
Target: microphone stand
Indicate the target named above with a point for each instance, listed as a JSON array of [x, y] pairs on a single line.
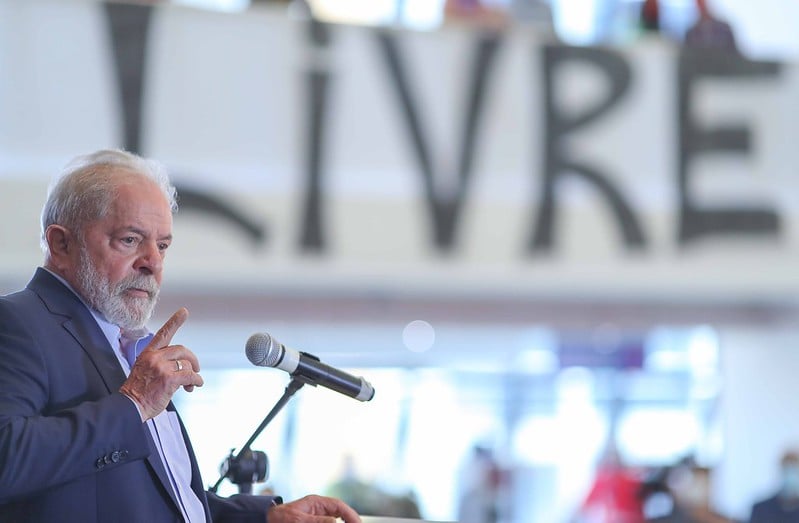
[[294, 385]]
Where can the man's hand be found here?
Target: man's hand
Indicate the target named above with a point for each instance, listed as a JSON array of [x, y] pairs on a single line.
[[161, 369], [312, 509]]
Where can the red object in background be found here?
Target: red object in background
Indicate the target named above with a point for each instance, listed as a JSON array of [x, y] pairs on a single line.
[[614, 497]]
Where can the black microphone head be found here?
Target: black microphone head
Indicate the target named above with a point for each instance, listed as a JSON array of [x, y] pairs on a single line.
[[261, 350]]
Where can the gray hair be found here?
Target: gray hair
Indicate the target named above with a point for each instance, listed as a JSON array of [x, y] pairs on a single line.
[[85, 189]]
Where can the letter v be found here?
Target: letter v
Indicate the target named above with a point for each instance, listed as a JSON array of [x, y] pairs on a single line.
[[444, 209]]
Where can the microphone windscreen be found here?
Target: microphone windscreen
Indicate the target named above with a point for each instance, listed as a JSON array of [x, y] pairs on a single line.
[[261, 350]]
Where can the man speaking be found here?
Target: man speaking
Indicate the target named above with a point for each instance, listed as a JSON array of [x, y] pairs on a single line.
[[88, 432]]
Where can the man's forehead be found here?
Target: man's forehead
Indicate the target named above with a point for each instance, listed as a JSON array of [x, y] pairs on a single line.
[[138, 204]]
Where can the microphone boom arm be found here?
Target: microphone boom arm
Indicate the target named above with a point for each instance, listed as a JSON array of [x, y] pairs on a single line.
[[294, 385]]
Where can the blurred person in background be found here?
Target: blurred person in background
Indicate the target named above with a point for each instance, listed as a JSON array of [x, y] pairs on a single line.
[[710, 32], [615, 495], [649, 19], [782, 506], [692, 498], [367, 499], [688, 487], [482, 499]]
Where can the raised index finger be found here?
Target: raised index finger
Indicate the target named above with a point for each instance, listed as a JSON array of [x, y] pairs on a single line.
[[164, 335]]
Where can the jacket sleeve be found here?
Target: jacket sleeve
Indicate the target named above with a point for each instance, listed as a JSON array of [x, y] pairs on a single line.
[[240, 508]]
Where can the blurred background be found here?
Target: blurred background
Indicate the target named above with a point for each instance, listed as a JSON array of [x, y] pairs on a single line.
[[558, 237]]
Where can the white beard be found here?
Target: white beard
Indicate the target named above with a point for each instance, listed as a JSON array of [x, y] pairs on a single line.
[[127, 312]]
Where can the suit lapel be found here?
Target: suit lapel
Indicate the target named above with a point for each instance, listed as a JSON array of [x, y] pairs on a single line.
[[81, 325]]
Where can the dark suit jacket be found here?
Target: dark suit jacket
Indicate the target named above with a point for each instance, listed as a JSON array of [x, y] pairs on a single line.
[[72, 448], [772, 510]]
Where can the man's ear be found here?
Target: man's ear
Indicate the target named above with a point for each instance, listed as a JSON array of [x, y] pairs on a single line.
[[60, 242]]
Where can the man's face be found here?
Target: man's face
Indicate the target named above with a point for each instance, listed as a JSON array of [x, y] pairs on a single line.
[[120, 260]]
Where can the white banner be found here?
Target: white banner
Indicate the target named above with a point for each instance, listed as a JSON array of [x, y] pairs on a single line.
[[450, 162]]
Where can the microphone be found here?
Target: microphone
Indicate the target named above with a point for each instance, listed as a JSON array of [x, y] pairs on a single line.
[[265, 351]]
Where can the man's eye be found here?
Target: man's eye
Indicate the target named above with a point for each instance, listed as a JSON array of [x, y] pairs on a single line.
[[129, 240], [163, 246]]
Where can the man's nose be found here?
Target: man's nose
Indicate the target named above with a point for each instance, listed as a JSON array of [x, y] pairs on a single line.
[[150, 259]]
